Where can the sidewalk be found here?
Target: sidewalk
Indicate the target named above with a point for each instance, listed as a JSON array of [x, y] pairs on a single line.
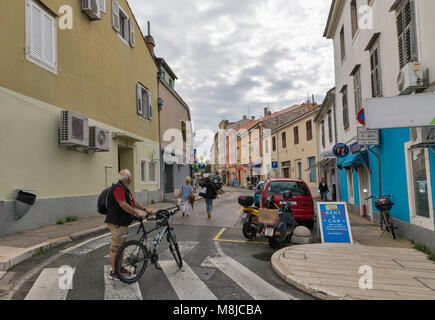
[[332, 271], [19, 247]]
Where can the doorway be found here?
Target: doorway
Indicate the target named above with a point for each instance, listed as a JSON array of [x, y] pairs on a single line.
[[364, 180], [169, 178], [126, 161]]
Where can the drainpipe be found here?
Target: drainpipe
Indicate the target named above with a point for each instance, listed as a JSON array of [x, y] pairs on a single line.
[[337, 175]]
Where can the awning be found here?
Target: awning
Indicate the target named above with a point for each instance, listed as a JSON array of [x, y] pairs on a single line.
[[354, 161], [321, 163], [258, 165], [127, 137]]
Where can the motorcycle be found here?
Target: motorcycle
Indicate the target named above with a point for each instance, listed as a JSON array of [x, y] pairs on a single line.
[[251, 227], [283, 230]]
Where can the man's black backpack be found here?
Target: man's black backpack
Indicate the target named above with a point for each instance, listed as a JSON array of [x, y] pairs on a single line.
[[103, 199]]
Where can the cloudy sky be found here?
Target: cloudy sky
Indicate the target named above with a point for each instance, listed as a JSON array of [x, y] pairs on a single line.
[[232, 56]]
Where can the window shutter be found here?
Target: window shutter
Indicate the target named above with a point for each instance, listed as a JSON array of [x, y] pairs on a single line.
[[139, 99], [115, 16], [102, 4], [406, 33], [132, 34], [150, 106], [47, 39], [36, 41]]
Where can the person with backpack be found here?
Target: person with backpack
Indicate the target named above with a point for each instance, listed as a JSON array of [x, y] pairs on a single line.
[[121, 207], [210, 195], [186, 191]]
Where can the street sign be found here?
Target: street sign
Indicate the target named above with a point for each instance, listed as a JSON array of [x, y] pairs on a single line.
[[400, 112], [334, 223], [274, 164], [367, 137], [361, 117]]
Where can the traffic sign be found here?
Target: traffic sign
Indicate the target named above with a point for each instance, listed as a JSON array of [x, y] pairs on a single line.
[[361, 117], [368, 137]]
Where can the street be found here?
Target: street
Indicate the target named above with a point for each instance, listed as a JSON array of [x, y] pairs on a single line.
[[227, 268]]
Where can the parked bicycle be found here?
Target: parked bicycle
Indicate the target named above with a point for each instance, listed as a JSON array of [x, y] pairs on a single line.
[[133, 257], [384, 205]]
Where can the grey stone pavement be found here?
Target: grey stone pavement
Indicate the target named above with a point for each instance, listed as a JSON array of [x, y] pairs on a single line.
[[375, 267]]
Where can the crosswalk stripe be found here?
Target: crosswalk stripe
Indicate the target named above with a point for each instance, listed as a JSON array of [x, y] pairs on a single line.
[[117, 290], [89, 246], [48, 285], [185, 282], [256, 287]]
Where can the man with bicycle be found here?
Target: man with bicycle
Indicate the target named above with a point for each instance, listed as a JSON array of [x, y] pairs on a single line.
[[121, 207]]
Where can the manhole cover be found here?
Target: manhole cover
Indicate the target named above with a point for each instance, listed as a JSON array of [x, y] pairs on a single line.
[[204, 273], [266, 256]]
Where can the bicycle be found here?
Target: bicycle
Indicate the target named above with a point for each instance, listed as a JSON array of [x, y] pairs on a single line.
[[131, 254], [384, 205]]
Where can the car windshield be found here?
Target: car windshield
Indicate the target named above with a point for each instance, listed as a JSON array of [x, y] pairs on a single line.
[[260, 187], [298, 189]]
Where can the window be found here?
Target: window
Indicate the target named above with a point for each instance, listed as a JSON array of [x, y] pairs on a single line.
[[350, 184], [405, 21], [345, 108], [123, 24], [267, 146], [273, 144], [152, 171], [375, 68], [296, 135], [299, 168], [309, 125], [102, 5], [257, 146], [329, 126], [299, 189], [323, 134], [286, 173], [354, 17], [284, 142], [420, 182], [41, 37], [342, 45], [144, 102], [312, 164], [148, 171], [357, 91]]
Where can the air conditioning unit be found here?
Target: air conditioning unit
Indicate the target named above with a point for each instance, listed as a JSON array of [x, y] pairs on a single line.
[[410, 78], [422, 137], [74, 129], [92, 9], [99, 139]]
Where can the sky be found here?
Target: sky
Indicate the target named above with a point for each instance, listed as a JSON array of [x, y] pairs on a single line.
[[236, 57]]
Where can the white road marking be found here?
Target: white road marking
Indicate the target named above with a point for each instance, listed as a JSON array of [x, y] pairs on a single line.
[[89, 246], [47, 286], [185, 282], [255, 286], [117, 290]]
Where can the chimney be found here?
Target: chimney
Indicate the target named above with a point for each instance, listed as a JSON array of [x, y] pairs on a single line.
[[149, 40], [266, 111], [269, 113], [253, 118], [245, 117]]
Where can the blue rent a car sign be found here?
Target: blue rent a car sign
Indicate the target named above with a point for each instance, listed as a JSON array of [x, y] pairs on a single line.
[[334, 223]]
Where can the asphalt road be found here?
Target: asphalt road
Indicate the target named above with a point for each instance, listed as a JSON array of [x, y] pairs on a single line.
[[219, 264]]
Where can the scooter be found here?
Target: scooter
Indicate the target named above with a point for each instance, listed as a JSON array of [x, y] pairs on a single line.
[[284, 229], [251, 227]]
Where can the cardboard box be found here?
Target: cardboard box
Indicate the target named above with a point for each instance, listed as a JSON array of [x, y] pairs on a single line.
[[268, 216]]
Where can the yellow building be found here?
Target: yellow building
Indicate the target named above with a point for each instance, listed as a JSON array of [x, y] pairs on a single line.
[[294, 147], [95, 62]]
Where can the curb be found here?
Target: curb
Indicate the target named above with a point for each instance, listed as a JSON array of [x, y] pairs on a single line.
[[27, 253], [304, 286]]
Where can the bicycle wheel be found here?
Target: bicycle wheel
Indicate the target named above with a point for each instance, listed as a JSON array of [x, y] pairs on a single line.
[[390, 226], [131, 261], [173, 247]]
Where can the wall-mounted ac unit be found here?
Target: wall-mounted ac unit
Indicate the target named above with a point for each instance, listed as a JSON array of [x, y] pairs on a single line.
[[410, 78], [423, 137], [92, 9], [74, 129], [99, 139]]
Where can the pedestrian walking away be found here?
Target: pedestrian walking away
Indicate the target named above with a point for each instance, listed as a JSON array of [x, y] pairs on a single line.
[[210, 195], [186, 191], [323, 189], [121, 208]]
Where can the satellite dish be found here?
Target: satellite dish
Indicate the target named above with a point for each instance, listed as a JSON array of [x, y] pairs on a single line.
[[401, 81]]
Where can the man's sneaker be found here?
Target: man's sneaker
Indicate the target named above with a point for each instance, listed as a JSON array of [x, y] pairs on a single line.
[[125, 271], [113, 276]]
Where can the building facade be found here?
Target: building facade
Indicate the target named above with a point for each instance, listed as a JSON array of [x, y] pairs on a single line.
[[374, 41], [101, 70]]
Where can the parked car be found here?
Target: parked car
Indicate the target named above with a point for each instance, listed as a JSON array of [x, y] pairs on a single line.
[[302, 201], [258, 191]]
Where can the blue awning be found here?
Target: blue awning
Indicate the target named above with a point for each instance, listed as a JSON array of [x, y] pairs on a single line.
[[354, 161]]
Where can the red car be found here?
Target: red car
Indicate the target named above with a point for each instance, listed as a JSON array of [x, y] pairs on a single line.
[[302, 201]]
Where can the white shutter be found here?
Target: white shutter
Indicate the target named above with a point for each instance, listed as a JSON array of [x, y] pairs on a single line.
[[36, 41], [102, 5], [132, 34], [115, 16], [139, 99], [150, 106], [47, 39]]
